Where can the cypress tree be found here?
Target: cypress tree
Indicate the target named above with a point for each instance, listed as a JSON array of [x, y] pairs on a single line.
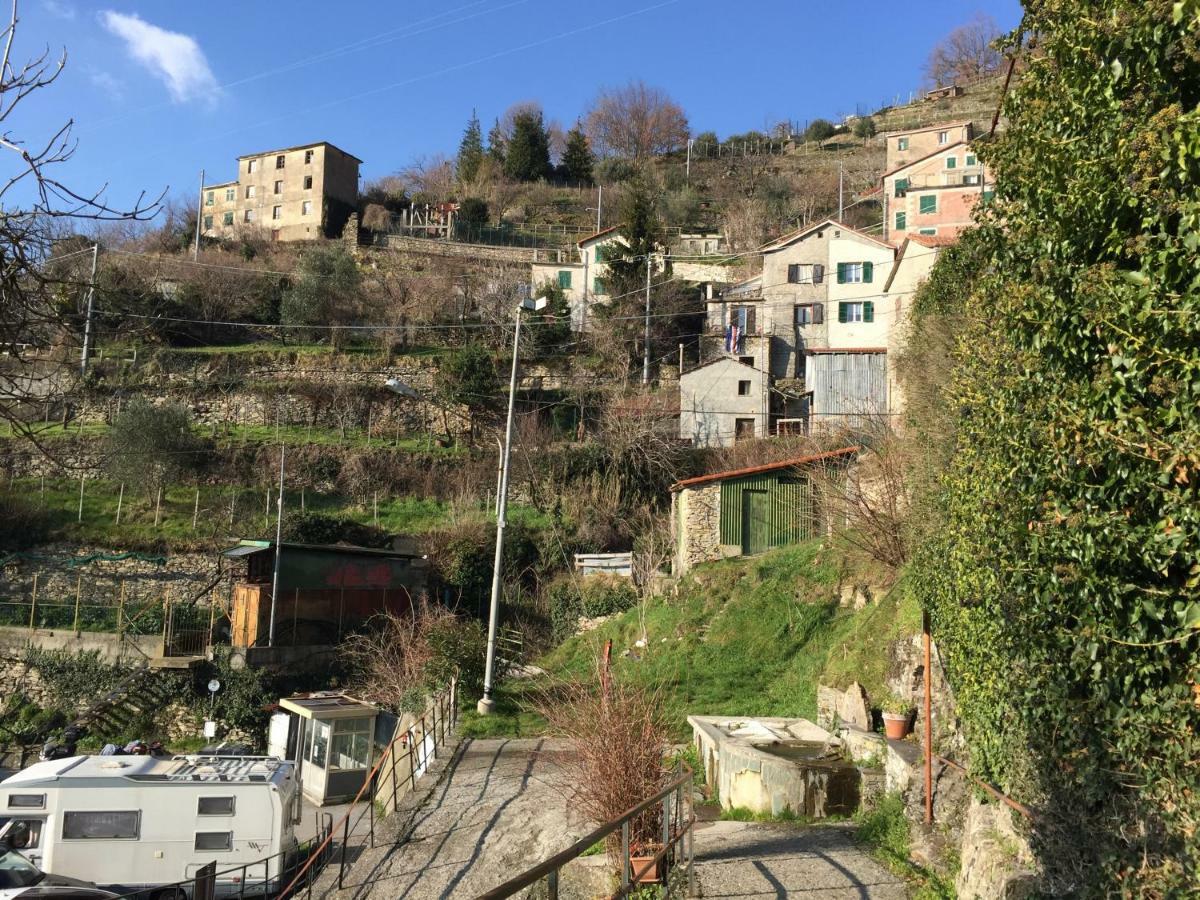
[[577, 158], [470, 150], [528, 152], [497, 146]]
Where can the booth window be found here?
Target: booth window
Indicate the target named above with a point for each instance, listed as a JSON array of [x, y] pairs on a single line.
[[318, 745], [351, 744]]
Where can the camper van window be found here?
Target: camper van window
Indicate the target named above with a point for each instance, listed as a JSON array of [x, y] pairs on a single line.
[[24, 834], [319, 744], [101, 826], [26, 801], [214, 840], [351, 744], [215, 806]]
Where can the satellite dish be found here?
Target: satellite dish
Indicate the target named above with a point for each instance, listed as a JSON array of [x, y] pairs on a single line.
[[214, 686]]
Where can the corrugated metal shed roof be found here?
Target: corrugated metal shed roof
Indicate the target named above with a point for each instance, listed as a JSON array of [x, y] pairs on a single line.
[[769, 467]]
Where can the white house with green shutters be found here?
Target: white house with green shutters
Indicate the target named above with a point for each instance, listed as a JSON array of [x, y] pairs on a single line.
[[582, 274]]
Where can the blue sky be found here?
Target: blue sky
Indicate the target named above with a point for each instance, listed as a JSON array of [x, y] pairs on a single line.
[[162, 88]]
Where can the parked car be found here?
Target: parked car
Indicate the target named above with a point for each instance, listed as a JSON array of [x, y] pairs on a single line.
[[19, 878]]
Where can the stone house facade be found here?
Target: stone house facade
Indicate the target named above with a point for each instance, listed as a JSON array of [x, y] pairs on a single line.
[[935, 195], [904, 147], [294, 194]]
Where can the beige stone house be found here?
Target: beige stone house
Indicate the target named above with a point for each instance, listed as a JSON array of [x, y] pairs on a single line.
[[908, 146], [747, 511], [294, 194], [935, 195]]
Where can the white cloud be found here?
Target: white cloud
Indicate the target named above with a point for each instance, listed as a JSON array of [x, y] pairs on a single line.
[[59, 9], [174, 58], [107, 84]]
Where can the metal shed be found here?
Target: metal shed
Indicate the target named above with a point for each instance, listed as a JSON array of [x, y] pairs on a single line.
[[849, 387]]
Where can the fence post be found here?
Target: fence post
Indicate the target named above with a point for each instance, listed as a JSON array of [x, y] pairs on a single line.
[[412, 769], [78, 590], [345, 841], [625, 855], [552, 885]]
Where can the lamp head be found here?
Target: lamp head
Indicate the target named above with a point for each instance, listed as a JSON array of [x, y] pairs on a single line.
[[534, 304]]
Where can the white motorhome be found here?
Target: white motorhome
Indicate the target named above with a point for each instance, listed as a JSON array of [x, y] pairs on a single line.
[[129, 823]]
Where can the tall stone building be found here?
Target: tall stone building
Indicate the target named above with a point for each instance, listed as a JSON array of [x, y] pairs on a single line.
[[294, 194]]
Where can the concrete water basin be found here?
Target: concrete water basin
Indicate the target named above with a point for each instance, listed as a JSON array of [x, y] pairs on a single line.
[[772, 766]]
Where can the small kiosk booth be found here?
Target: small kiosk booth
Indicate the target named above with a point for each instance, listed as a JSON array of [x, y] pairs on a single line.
[[331, 738]]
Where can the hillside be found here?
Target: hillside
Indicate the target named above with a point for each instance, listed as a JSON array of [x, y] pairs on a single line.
[[741, 637]]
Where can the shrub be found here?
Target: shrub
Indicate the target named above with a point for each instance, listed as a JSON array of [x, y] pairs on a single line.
[[572, 597], [819, 130], [315, 528], [21, 523]]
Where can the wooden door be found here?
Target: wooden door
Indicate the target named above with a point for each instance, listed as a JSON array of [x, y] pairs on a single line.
[[756, 536]]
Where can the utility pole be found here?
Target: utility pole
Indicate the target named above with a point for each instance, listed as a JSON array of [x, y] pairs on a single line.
[[646, 334], [688, 177], [278, 552], [599, 205], [583, 311], [199, 213], [87, 322]]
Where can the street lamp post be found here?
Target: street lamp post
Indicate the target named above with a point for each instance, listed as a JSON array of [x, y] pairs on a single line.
[[486, 704]]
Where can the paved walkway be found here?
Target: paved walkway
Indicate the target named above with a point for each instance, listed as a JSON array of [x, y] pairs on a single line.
[[751, 859], [498, 812]]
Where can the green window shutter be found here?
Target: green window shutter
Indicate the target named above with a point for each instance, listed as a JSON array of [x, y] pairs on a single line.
[[988, 195], [564, 280], [929, 204], [951, 162], [970, 159], [901, 187], [868, 272], [841, 312], [841, 277], [901, 221], [869, 310], [597, 286]]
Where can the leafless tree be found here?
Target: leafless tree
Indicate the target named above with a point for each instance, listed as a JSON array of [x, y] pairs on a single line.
[[965, 54], [431, 176], [39, 210], [636, 120]]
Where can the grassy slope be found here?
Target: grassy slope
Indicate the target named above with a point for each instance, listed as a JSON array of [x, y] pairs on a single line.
[[743, 637]]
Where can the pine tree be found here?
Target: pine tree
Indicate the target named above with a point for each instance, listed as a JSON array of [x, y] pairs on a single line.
[[577, 158], [497, 145], [527, 155], [470, 150]]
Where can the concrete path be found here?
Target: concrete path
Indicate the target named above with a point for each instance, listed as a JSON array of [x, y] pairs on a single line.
[[751, 859], [498, 812]]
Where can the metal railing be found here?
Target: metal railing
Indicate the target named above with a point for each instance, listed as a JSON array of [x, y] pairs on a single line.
[[678, 831], [393, 777], [244, 880]]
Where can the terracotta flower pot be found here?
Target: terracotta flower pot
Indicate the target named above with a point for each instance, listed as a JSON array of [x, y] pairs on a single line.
[[896, 725], [643, 858]]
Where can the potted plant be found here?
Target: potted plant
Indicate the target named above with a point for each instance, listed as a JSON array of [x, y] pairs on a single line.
[[897, 717], [642, 867]]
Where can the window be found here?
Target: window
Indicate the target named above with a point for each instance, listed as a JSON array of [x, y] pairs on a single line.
[[307, 157], [856, 272], [26, 801], [308, 182], [927, 231], [928, 204], [207, 222], [227, 219], [600, 253], [279, 160], [743, 429], [276, 212], [279, 187], [101, 826], [318, 743], [801, 273], [972, 179], [351, 747], [856, 311], [249, 192], [988, 195], [214, 806], [901, 143], [230, 194], [23, 835], [564, 279], [305, 207], [248, 216], [810, 313], [970, 159], [744, 318], [746, 360], [943, 137], [743, 388], [209, 197], [901, 187], [598, 286], [901, 221], [252, 166], [951, 162], [214, 840]]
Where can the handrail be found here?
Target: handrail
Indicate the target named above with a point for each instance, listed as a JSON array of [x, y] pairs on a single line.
[[550, 866], [451, 694], [995, 792]]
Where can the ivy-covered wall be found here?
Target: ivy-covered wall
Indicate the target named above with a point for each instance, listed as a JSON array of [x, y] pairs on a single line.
[[1060, 551]]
